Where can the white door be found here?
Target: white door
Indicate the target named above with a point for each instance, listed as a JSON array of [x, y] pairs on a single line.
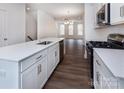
[[3, 28]]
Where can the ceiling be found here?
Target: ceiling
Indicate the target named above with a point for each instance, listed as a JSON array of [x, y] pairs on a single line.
[[60, 10]]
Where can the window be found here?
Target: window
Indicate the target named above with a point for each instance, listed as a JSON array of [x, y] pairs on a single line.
[[70, 27], [62, 29], [80, 29]]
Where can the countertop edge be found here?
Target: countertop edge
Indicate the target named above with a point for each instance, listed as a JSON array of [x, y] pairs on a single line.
[[54, 42]]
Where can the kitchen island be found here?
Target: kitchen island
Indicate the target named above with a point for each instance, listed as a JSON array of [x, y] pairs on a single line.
[[29, 64], [108, 68]]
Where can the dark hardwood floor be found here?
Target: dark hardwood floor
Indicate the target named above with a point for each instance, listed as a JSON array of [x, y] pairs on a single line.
[[74, 71]]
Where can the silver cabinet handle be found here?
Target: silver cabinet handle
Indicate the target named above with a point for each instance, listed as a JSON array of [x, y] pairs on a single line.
[[55, 53], [39, 69], [98, 77], [122, 11], [98, 62], [39, 57], [5, 39], [40, 66]]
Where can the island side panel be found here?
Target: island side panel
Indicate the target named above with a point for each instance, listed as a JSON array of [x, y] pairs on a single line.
[[9, 74]]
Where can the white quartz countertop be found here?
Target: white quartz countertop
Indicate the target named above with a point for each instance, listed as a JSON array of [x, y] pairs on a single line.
[[21, 51], [113, 59]]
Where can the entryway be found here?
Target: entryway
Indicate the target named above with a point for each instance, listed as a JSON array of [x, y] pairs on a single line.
[[71, 31]]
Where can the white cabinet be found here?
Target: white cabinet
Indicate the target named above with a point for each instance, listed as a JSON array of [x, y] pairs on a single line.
[[51, 62], [57, 58], [103, 78], [31, 72], [53, 58], [97, 77], [35, 75], [117, 13], [29, 79], [41, 73]]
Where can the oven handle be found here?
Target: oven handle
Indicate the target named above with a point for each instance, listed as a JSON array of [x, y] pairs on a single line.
[[88, 50]]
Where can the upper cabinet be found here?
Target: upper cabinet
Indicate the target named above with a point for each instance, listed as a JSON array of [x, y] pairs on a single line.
[[117, 13]]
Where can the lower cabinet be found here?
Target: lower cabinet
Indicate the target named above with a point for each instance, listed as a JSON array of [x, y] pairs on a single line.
[[103, 78], [31, 72], [41, 73], [37, 69], [51, 62], [57, 54], [97, 77], [35, 76], [53, 58]]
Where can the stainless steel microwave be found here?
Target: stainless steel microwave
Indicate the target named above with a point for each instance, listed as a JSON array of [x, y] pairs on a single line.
[[103, 15]]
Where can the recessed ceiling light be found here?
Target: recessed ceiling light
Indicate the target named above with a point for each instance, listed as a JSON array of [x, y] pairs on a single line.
[[28, 8]]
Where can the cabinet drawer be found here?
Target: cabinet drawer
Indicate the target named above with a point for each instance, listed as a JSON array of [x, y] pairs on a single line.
[[98, 61], [33, 59], [53, 47]]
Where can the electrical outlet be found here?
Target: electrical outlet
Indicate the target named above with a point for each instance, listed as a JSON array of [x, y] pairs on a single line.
[[2, 74]]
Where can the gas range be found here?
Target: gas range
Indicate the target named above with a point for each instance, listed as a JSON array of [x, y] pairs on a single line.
[[103, 44]]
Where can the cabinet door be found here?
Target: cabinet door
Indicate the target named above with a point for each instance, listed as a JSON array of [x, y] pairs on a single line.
[[97, 78], [29, 78], [105, 83], [41, 72], [35, 76], [97, 73], [51, 62], [117, 13], [57, 54]]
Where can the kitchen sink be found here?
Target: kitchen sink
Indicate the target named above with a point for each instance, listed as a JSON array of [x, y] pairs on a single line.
[[44, 42]]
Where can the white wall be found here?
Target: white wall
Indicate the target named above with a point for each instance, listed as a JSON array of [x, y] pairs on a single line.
[[31, 24], [101, 34], [98, 34], [15, 25], [90, 34], [46, 25]]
